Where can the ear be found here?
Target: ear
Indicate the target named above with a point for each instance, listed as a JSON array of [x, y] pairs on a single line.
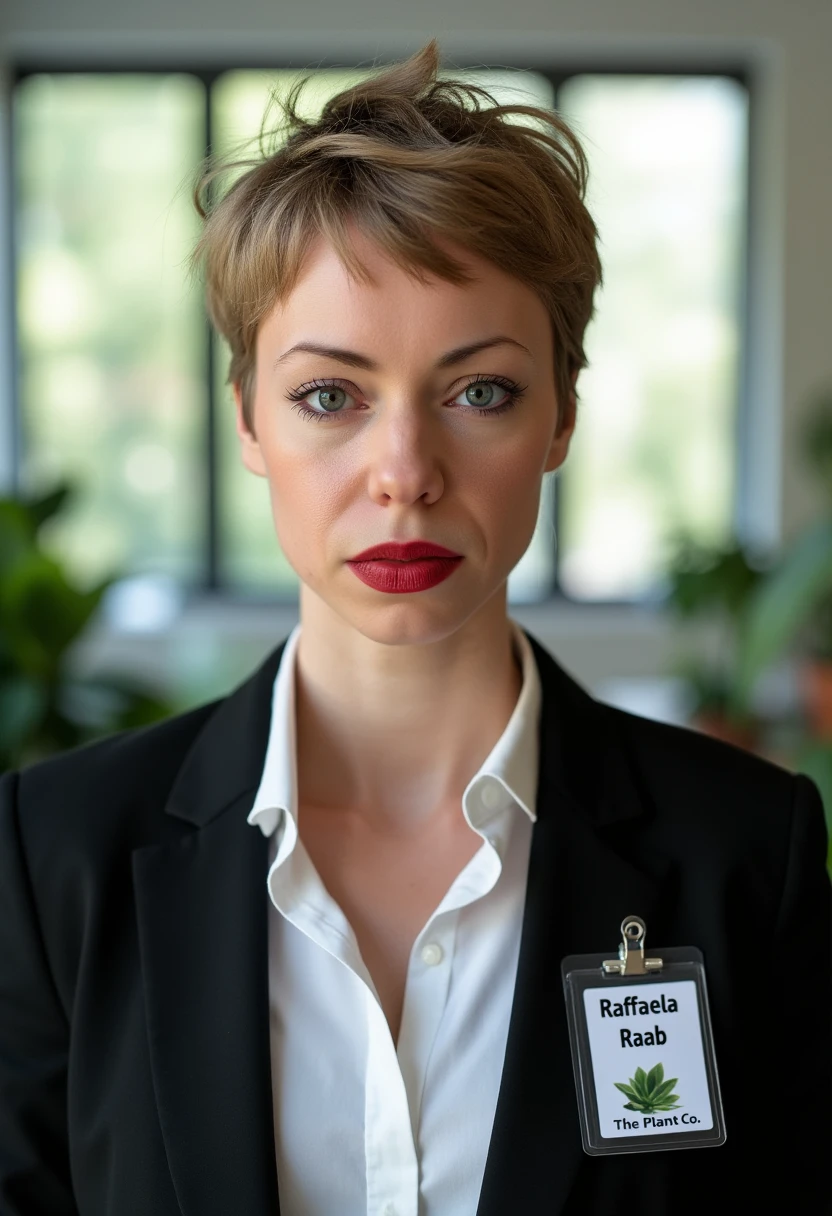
[[563, 434], [249, 447]]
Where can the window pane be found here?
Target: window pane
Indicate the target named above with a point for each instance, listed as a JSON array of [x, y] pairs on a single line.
[[654, 449], [112, 340], [249, 553]]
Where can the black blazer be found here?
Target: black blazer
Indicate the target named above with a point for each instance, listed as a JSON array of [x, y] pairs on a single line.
[[134, 1028]]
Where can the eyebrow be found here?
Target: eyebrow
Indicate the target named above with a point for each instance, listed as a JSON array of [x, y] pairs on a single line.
[[355, 359]]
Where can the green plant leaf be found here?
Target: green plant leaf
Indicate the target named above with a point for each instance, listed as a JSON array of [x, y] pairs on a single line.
[[43, 606], [668, 1105], [639, 1106], [627, 1090], [655, 1077], [17, 534], [43, 508], [640, 1095], [782, 603], [641, 1091], [707, 580], [661, 1091]]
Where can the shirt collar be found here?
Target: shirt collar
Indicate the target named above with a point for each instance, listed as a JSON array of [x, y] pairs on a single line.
[[507, 775]]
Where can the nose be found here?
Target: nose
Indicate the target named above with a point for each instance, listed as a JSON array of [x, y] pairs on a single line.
[[405, 456]]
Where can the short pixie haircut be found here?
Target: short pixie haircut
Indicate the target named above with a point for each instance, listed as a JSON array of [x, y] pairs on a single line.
[[406, 158]]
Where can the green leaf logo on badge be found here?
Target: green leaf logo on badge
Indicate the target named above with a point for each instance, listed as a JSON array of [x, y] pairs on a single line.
[[649, 1092]]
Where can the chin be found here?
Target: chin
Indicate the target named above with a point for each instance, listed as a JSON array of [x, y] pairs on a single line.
[[420, 619], [406, 623]]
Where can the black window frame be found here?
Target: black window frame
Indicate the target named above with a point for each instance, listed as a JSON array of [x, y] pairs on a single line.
[[557, 74]]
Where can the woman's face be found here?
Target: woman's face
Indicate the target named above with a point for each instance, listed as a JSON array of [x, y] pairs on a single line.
[[403, 438]]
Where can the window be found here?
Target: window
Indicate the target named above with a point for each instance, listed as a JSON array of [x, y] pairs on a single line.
[[122, 387], [654, 451], [111, 356]]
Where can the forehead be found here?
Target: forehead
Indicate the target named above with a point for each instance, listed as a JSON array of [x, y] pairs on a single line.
[[393, 308]]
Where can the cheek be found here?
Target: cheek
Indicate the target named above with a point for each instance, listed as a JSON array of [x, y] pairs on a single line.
[[507, 484], [304, 489]]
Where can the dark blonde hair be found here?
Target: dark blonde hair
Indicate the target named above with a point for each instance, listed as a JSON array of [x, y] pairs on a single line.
[[407, 158]]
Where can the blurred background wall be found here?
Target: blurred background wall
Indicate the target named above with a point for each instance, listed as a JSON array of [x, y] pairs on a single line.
[[706, 128]]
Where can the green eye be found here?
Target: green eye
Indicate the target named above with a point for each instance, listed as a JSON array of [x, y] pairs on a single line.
[[330, 393], [480, 393]]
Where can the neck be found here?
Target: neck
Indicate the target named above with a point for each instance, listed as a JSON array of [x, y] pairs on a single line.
[[396, 729]]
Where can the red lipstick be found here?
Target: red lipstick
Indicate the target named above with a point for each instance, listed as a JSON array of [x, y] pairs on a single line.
[[402, 568]]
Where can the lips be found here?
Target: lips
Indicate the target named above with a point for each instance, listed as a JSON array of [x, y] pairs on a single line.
[[411, 551], [404, 577]]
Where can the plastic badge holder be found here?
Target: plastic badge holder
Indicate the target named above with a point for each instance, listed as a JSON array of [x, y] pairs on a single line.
[[636, 1024]]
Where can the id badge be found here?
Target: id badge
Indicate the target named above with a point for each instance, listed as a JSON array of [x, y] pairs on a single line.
[[642, 1048]]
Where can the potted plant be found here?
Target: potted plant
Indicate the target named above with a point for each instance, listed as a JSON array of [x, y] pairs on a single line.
[[45, 708], [713, 585], [791, 609]]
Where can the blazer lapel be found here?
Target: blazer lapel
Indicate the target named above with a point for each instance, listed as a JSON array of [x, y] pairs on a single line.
[[584, 877], [202, 914]]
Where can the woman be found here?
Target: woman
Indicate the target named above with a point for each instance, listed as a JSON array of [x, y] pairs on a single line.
[[437, 811]]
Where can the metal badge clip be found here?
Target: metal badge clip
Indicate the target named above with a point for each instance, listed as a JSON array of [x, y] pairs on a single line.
[[631, 960]]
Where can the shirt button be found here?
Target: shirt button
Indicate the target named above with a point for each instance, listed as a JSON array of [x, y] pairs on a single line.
[[432, 954], [492, 796]]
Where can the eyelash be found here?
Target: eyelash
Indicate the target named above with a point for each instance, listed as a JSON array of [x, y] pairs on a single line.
[[515, 392]]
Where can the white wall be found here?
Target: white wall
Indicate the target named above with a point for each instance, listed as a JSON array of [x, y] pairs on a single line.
[[786, 43]]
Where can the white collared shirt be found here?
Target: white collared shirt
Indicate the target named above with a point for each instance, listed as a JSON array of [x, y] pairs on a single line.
[[365, 1127]]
